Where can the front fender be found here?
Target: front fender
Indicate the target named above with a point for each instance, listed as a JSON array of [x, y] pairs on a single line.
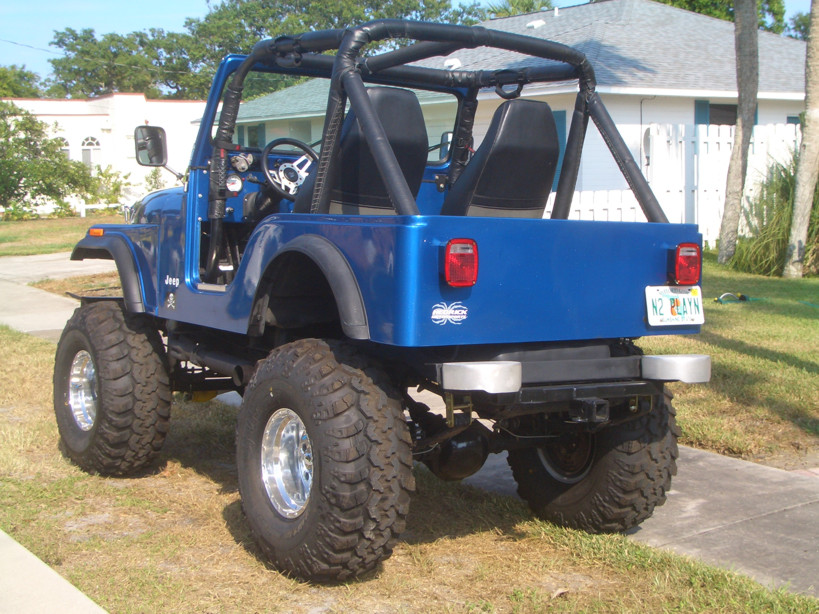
[[116, 248]]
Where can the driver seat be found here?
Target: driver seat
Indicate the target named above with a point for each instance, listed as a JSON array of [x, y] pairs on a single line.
[[356, 187], [512, 171]]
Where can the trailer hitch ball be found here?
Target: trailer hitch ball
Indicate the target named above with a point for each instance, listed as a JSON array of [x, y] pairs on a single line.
[[593, 411]]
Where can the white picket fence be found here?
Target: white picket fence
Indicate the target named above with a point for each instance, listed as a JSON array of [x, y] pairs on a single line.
[[602, 206], [686, 166]]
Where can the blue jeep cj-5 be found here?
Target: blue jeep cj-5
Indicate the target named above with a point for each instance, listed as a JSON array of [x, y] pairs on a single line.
[[323, 285]]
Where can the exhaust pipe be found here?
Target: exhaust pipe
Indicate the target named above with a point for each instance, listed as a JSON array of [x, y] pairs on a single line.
[[238, 369]]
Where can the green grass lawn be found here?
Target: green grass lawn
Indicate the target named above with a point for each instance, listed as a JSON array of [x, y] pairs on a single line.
[[762, 401], [47, 236], [176, 540]]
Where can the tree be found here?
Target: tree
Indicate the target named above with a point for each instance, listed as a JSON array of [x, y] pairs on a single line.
[[182, 64], [807, 168], [17, 82], [747, 60], [32, 165], [770, 13], [95, 67], [510, 8], [799, 26]]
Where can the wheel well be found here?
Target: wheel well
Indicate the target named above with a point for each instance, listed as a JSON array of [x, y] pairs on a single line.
[[298, 293], [310, 284], [114, 248]]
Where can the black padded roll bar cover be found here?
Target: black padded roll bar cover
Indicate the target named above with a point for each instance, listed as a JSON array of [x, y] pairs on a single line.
[[571, 159], [412, 53], [265, 46], [321, 40], [424, 76], [474, 36], [218, 181], [219, 163], [336, 101], [318, 41]]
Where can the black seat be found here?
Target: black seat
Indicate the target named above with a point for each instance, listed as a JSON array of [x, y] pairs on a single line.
[[356, 187], [512, 171]]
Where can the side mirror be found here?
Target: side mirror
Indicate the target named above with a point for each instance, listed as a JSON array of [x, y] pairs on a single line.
[[150, 146]]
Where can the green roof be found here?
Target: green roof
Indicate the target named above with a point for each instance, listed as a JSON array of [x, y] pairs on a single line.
[[307, 99]]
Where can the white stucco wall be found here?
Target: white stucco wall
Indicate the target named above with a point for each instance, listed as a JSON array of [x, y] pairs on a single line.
[[111, 121]]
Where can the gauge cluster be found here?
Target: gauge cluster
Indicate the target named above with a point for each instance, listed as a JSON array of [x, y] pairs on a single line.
[[246, 183]]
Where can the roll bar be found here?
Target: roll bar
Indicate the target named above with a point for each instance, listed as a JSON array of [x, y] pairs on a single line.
[[347, 70]]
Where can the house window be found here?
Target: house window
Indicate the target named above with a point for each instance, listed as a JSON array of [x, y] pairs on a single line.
[[706, 112], [255, 136], [240, 135], [793, 119], [90, 149], [64, 147], [723, 114]]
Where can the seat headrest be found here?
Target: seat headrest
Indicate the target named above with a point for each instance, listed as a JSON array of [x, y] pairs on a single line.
[[512, 171], [356, 186]]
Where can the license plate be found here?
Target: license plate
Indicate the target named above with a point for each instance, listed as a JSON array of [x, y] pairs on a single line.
[[674, 305]]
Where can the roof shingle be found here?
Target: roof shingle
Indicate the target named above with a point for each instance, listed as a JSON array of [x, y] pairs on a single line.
[[640, 43], [636, 44]]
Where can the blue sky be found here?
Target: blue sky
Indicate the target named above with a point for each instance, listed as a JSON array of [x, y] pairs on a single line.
[[27, 24]]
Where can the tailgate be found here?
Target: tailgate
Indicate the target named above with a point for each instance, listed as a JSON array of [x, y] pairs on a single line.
[[538, 280]]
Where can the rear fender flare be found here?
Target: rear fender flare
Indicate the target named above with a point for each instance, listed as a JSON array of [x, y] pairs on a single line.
[[116, 248]]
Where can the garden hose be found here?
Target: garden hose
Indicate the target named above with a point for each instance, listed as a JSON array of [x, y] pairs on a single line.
[[730, 297]]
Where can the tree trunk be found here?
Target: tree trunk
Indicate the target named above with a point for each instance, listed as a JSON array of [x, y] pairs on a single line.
[[745, 39], [808, 166]]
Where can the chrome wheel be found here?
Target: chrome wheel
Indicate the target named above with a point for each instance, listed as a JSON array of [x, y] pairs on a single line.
[[82, 390], [287, 463]]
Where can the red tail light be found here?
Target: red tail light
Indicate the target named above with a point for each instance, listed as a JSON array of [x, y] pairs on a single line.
[[687, 264], [461, 263]]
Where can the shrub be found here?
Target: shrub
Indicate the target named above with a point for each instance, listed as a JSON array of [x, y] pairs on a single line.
[[768, 219], [107, 185], [32, 165], [154, 180]]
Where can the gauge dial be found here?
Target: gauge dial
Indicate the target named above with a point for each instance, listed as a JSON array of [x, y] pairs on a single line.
[[233, 183]]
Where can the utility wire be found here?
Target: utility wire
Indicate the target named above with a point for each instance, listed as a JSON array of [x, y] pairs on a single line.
[[156, 70], [153, 69]]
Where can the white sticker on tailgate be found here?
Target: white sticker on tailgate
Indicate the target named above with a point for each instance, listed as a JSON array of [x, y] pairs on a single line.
[[674, 305]]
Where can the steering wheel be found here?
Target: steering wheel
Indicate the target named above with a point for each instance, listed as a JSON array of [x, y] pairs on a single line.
[[286, 179]]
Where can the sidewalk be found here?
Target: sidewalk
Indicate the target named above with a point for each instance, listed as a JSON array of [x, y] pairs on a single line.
[[34, 311], [28, 585], [753, 519]]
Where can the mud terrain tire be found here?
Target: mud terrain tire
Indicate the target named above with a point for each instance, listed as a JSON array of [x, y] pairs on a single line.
[[112, 394], [329, 504], [606, 482]]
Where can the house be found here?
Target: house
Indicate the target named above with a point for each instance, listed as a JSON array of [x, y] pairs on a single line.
[[655, 65], [100, 131]]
